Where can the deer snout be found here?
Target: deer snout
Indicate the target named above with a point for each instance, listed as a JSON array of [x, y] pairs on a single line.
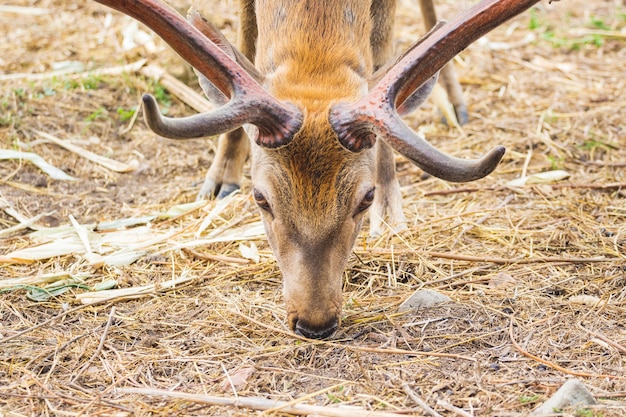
[[305, 329], [312, 261], [313, 322]]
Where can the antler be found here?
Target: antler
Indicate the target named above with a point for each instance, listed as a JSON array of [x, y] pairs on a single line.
[[358, 124], [249, 102]]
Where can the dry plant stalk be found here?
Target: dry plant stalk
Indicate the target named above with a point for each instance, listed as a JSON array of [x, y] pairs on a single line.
[[554, 102], [260, 404], [554, 365]]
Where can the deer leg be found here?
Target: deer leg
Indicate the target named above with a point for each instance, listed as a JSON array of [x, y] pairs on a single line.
[[387, 206], [226, 171], [447, 76], [224, 175]]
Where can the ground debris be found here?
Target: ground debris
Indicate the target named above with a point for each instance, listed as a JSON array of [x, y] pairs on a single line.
[[537, 271], [572, 394]]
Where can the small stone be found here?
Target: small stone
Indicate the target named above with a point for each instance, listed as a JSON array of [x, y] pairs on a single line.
[[572, 393], [422, 299], [494, 367]]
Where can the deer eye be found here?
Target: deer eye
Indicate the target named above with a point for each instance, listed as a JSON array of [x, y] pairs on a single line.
[[261, 201], [367, 201]]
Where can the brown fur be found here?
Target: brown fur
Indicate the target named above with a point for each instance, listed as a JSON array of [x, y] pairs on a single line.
[[312, 123], [313, 54]]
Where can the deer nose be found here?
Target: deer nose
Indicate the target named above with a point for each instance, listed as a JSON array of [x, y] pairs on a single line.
[[316, 332]]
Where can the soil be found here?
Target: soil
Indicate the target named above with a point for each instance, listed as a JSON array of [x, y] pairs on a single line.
[[536, 273]]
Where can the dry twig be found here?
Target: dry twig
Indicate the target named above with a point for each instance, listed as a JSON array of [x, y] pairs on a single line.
[[389, 351], [260, 404], [605, 339], [554, 365], [428, 409], [98, 350]]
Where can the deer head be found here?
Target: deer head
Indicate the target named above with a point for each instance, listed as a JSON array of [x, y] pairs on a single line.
[[313, 108]]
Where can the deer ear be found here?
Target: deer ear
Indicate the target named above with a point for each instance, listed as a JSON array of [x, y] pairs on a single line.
[[209, 30], [211, 92], [417, 97]]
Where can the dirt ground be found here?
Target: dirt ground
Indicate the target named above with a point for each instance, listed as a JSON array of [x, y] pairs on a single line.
[[536, 273]]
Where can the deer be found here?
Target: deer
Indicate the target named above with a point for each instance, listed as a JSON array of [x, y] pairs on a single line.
[[314, 95]]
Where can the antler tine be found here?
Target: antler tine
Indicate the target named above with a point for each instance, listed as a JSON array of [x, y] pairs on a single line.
[[376, 113], [423, 61], [249, 102]]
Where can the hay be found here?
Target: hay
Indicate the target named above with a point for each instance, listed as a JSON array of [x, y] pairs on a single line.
[[536, 271]]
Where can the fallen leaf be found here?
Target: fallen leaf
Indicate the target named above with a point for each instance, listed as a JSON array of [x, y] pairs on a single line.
[[250, 252], [501, 279], [540, 178], [588, 300], [237, 379], [108, 163], [52, 171]]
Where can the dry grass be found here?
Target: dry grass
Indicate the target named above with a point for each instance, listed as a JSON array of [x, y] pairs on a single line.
[[555, 102]]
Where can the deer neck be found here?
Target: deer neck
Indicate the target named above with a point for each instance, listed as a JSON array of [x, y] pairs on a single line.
[[316, 65]]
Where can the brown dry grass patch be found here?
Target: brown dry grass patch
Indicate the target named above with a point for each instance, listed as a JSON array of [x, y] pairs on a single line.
[[557, 101]]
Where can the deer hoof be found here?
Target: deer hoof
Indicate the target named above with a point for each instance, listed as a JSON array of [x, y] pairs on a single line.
[[227, 189], [211, 189]]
